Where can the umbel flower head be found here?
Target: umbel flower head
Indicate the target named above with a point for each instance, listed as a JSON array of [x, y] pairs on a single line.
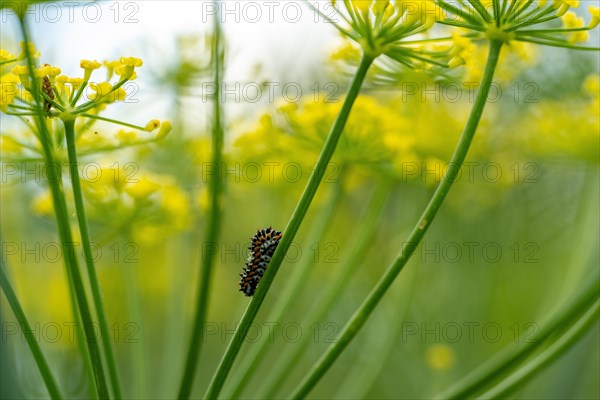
[[381, 27], [62, 96], [514, 20]]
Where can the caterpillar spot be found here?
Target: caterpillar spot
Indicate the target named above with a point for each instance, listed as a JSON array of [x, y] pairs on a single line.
[[262, 246]]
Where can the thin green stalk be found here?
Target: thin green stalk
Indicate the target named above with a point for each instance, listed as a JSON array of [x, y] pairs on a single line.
[[361, 315], [332, 290], [89, 259], [139, 355], [298, 215], [81, 343], [54, 177], [36, 351], [511, 356], [363, 373], [545, 358], [289, 294], [213, 225]]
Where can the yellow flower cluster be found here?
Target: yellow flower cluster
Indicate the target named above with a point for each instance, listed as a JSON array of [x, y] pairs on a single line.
[[60, 97], [143, 206]]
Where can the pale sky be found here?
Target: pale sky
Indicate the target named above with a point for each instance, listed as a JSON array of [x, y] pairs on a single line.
[[284, 36]]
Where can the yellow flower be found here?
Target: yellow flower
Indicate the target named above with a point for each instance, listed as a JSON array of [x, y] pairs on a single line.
[[106, 94], [8, 90], [126, 136], [348, 52], [177, 205], [165, 128], [572, 21], [47, 70], [380, 26], [203, 199], [147, 233], [132, 61], [142, 189], [126, 71], [572, 3], [592, 85], [32, 51], [362, 5], [152, 125], [456, 61], [5, 56], [440, 357], [91, 140], [8, 145], [563, 6], [23, 72], [88, 66], [42, 204], [110, 67], [398, 143], [595, 12], [65, 84]]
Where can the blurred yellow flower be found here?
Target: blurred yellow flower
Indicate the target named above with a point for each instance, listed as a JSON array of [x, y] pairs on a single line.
[[440, 357], [203, 199], [595, 12], [124, 136], [177, 205], [572, 21], [5, 56], [152, 125], [8, 90], [32, 51], [8, 145], [143, 188], [42, 204], [165, 129], [147, 233]]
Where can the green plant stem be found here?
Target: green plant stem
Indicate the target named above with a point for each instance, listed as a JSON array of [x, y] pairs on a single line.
[[332, 290], [546, 357], [288, 295], [139, 355], [509, 357], [298, 215], [89, 259], [54, 177], [36, 351], [360, 317], [209, 247]]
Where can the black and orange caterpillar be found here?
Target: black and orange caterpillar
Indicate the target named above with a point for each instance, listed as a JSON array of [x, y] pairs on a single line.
[[262, 247]]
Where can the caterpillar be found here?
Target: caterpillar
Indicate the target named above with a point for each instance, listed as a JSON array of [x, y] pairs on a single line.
[[262, 247], [47, 89]]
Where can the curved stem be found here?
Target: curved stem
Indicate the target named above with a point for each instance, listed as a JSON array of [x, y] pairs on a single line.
[[359, 248], [36, 351], [210, 245], [314, 181], [361, 315], [289, 294], [544, 359], [89, 259], [54, 178], [509, 357]]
